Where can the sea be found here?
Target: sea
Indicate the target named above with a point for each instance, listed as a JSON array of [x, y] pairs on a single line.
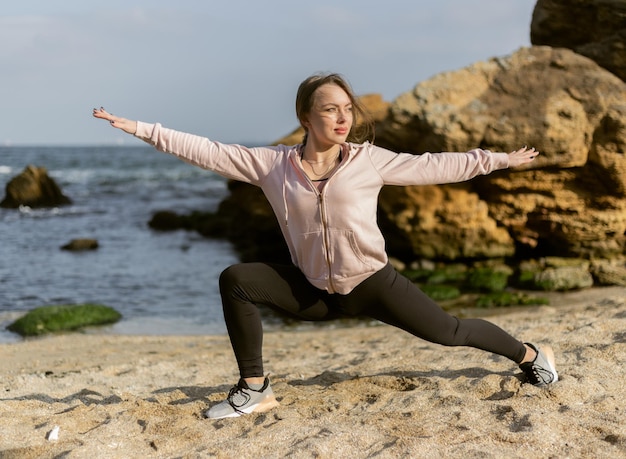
[[161, 282]]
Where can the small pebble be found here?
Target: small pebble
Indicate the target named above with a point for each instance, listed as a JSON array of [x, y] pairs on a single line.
[[53, 435]]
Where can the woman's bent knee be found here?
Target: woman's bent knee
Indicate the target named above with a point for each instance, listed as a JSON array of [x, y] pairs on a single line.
[[240, 274], [235, 272]]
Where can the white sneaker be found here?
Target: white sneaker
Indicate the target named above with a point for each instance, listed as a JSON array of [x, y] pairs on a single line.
[[243, 400], [541, 371]]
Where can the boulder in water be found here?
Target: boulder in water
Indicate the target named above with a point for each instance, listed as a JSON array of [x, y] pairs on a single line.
[[33, 188], [77, 245]]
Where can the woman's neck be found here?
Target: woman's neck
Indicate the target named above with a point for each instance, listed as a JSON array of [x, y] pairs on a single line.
[[315, 155], [324, 164]]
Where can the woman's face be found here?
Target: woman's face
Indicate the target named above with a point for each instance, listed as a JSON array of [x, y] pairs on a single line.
[[330, 119]]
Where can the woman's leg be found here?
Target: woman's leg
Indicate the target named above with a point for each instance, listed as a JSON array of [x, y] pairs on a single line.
[[284, 288], [392, 298]]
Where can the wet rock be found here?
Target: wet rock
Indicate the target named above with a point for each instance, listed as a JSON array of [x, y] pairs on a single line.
[[77, 245], [33, 187]]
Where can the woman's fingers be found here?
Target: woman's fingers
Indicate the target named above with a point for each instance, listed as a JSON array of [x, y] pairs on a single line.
[[116, 121], [102, 114], [522, 156]]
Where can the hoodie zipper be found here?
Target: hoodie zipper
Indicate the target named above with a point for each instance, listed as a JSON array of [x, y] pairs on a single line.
[[325, 235], [326, 238]]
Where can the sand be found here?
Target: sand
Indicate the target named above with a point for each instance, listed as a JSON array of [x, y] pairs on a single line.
[[345, 393]]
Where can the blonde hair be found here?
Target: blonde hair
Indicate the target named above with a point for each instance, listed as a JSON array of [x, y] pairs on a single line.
[[362, 127]]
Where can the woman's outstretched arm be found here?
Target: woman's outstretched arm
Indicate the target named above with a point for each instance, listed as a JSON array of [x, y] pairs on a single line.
[[128, 126]]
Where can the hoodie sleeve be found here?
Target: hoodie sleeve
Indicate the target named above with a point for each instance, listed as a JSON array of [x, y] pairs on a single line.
[[231, 161], [435, 168]]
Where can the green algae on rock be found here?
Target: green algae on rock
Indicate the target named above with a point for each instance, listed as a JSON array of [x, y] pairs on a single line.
[[51, 319]]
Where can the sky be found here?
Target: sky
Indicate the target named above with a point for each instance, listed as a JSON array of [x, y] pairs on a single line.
[[227, 69]]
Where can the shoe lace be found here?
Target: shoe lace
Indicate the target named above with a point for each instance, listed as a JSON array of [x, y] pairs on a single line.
[[237, 397], [543, 374], [533, 374], [536, 373]]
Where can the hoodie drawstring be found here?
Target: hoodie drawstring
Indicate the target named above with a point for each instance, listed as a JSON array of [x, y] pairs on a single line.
[[285, 192]]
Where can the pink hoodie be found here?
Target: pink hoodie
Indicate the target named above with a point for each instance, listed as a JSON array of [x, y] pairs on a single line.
[[332, 235]]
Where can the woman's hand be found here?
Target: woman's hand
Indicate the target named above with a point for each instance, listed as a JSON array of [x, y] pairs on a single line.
[[522, 156], [125, 125]]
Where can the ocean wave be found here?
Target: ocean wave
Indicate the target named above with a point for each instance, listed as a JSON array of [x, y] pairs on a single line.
[[108, 176], [65, 211]]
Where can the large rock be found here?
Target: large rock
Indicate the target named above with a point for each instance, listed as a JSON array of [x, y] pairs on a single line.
[[440, 222], [593, 28], [34, 188], [570, 202]]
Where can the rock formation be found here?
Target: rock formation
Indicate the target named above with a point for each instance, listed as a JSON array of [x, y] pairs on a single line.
[[593, 28], [570, 202], [34, 188]]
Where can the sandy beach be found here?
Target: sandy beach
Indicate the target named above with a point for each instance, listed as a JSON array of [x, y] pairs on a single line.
[[344, 393]]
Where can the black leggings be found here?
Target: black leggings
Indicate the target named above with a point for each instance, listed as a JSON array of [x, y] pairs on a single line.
[[386, 296]]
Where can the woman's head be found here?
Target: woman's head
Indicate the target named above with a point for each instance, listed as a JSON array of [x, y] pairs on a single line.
[[308, 94]]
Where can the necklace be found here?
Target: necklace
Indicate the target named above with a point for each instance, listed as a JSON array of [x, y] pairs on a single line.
[[328, 169]]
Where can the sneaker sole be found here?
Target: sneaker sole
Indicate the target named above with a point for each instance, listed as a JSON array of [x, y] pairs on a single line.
[[549, 353], [267, 404]]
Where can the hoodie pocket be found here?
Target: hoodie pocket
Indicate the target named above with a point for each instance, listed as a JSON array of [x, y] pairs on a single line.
[[347, 258], [344, 256]]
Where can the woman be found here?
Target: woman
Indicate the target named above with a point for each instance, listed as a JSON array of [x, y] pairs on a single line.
[[324, 193]]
